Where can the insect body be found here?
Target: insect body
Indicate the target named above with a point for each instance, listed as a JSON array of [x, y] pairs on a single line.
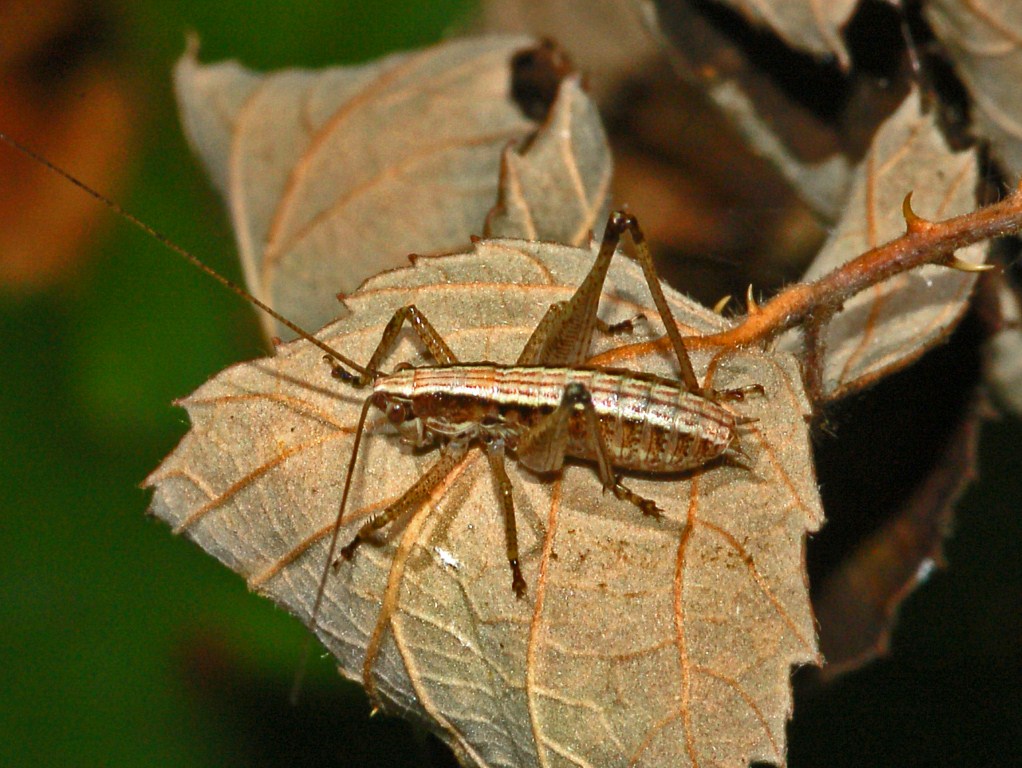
[[647, 423], [547, 407]]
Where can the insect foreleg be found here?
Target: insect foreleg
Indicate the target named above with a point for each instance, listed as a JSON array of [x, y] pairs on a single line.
[[430, 337], [542, 448], [414, 497], [495, 454]]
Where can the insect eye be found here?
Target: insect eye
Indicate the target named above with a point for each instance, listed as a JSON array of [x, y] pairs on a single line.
[[397, 412]]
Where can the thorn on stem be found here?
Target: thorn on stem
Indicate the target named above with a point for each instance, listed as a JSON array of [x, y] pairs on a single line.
[[719, 307], [750, 301], [913, 221], [953, 262]]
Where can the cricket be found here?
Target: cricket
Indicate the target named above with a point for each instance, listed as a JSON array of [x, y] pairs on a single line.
[[546, 407]]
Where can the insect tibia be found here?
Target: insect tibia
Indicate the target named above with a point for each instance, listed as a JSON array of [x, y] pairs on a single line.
[[338, 371]]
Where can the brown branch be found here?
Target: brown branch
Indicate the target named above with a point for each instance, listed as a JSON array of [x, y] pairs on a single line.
[[924, 242]]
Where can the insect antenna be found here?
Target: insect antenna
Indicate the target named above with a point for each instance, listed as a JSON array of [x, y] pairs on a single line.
[[189, 257], [365, 375], [331, 552]]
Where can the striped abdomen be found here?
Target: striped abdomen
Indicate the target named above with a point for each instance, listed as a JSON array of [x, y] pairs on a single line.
[[648, 423]]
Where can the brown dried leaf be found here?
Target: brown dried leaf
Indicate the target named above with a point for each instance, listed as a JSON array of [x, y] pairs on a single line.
[[857, 604], [324, 162], [983, 38], [811, 153], [809, 25], [558, 187], [640, 642], [822, 182], [886, 327], [1004, 353]]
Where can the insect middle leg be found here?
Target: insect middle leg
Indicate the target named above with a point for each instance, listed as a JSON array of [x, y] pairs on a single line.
[[414, 497], [543, 447], [495, 455]]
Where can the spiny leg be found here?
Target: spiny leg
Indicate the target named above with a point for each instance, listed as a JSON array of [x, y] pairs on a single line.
[[542, 448], [415, 496], [430, 337], [495, 454]]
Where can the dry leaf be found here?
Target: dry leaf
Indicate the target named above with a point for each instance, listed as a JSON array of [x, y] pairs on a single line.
[[822, 184], [557, 187], [887, 326], [1004, 353], [641, 641], [809, 25], [810, 152], [983, 38], [857, 604], [366, 164]]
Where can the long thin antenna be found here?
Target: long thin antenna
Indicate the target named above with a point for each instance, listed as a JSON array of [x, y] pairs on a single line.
[[183, 253], [332, 551]]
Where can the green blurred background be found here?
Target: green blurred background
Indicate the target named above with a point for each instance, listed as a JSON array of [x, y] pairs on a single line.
[[121, 645]]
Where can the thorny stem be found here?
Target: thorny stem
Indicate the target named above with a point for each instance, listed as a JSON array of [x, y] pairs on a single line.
[[811, 305], [924, 242]]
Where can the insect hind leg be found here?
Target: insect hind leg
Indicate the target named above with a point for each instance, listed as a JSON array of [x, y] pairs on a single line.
[[543, 447]]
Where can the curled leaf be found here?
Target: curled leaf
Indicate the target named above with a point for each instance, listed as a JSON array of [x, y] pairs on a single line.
[[984, 41], [887, 326], [809, 25], [556, 188], [641, 641], [335, 175]]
